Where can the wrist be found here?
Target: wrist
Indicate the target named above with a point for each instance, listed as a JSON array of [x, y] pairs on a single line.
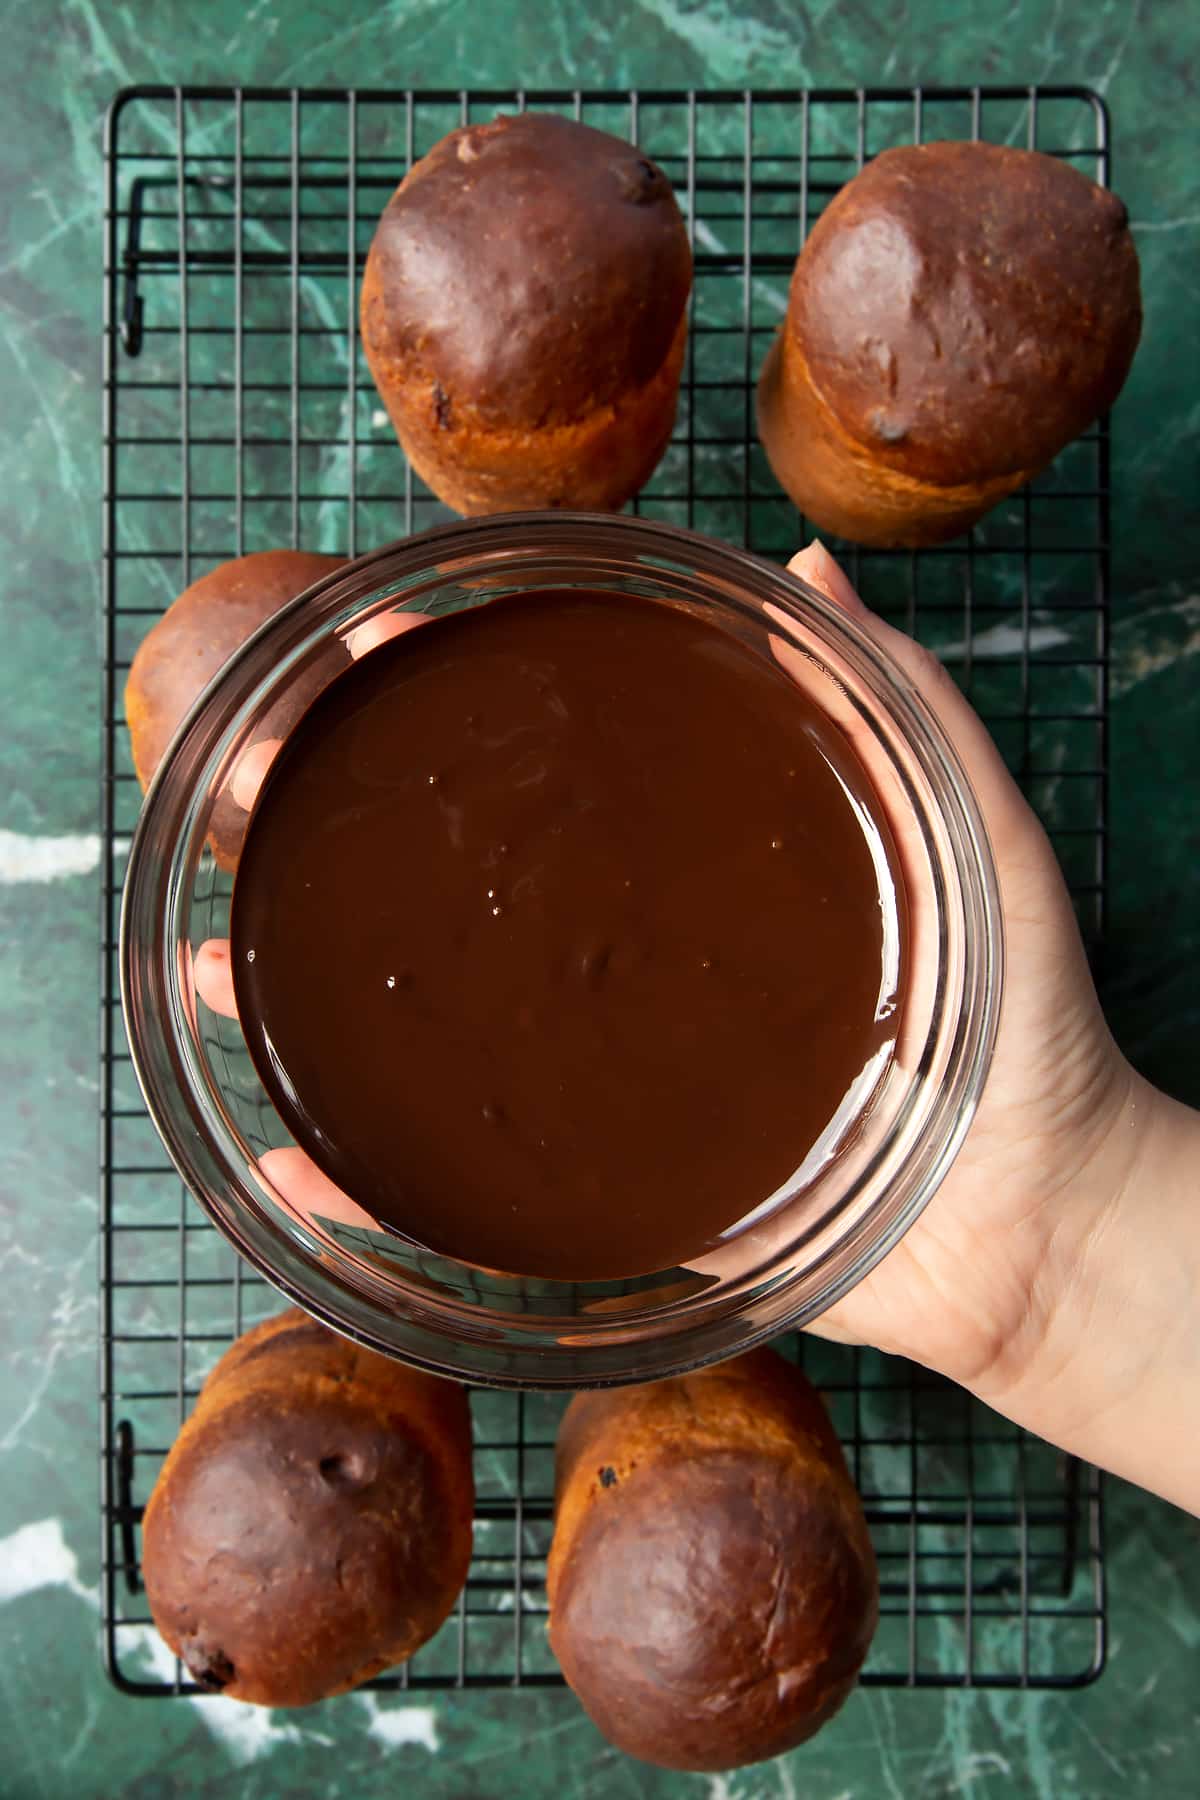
[[1107, 1362]]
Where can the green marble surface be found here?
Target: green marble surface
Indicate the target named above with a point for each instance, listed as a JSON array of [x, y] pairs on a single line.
[[63, 1731]]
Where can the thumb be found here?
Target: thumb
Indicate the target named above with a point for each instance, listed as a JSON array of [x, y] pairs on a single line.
[[1011, 822]]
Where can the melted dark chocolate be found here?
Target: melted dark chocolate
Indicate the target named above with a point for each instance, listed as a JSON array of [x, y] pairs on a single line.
[[557, 941]]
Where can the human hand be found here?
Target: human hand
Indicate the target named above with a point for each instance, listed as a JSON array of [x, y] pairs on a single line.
[[1056, 1272], [289, 1171]]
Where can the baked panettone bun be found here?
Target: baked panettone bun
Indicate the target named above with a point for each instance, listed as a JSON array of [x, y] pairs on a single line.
[[195, 637], [959, 313], [712, 1585], [524, 312], [312, 1523]]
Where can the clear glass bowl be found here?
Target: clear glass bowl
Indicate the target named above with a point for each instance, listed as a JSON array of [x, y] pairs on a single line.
[[231, 1147]]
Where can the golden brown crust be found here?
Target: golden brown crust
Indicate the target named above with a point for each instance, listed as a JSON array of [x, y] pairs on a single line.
[[958, 314], [594, 464], [312, 1523], [839, 485], [523, 315], [195, 637], [712, 1584]]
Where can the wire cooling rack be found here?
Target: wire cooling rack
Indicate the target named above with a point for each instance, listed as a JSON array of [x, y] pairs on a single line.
[[239, 416]]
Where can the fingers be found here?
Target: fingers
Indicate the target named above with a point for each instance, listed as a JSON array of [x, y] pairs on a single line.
[[294, 1176], [379, 630], [308, 1190], [212, 972], [251, 771], [815, 565], [296, 1179], [1011, 823]]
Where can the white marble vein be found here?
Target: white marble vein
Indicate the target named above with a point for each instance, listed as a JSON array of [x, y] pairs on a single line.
[[1135, 660], [773, 296], [393, 1726], [38, 1556], [24, 857], [1133, 23], [1008, 640], [71, 1333], [244, 1732], [1180, 224], [705, 29]]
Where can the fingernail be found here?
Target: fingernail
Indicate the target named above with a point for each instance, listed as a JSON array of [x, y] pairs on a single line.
[[815, 565]]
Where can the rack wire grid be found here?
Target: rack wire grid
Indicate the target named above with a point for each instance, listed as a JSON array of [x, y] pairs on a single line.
[[239, 416]]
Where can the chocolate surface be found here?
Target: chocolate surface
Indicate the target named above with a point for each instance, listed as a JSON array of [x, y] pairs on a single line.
[[557, 941], [711, 1580], [313, 1520], [966, 309], [532, 267]]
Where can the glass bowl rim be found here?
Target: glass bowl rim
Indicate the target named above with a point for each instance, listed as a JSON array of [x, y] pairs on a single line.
[[479, 545]]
